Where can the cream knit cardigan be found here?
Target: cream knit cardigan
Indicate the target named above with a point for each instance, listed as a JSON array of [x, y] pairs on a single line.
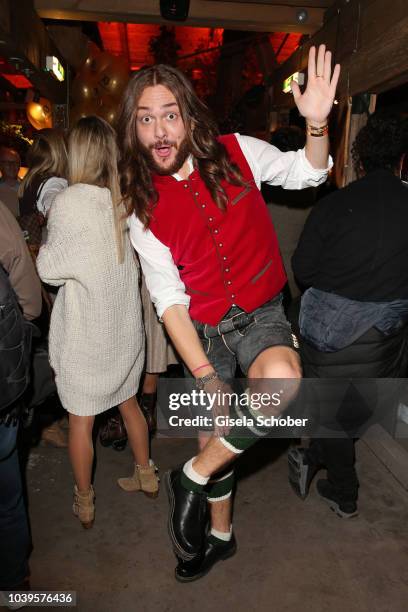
[[96, 340]]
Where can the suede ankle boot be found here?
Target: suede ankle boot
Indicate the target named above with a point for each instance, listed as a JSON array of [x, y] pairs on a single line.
[[84, 507], [143, 479], [55, 436]]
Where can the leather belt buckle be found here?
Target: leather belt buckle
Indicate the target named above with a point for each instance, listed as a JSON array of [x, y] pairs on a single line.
[[243, 320], [236, 322]]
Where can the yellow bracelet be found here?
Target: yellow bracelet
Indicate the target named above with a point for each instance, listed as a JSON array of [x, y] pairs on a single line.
[[312, 130]]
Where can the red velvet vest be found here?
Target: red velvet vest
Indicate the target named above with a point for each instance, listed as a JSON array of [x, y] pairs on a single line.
[[224, 257]]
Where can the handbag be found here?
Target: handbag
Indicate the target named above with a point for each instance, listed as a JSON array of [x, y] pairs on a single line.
[[31, 225]]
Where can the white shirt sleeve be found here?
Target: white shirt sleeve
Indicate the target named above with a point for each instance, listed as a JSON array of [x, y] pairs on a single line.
[[290, 170], [161, 274], [50, 189]]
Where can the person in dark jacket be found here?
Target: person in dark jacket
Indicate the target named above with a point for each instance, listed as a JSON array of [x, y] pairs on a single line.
[[17, 263], [353, 257]]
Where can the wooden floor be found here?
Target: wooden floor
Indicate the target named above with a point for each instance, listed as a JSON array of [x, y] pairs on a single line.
[[292, 555]]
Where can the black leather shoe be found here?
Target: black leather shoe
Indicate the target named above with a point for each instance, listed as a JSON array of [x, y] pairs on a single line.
[[187, 571], [301, 471], [345, 508], [187, 521]]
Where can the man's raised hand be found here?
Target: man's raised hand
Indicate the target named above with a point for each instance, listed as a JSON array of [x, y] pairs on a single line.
[[317, 100]]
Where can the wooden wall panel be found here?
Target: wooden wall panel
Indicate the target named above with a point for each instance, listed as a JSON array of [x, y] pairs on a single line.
[[382, 64], [348, 32], [377, 17]]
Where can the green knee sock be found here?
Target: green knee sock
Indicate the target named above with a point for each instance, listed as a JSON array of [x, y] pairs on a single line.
[[220, 485]]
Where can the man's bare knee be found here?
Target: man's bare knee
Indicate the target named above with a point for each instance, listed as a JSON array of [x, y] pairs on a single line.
[[276, 362], [283, 369]]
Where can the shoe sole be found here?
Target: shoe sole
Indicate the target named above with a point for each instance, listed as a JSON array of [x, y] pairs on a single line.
[[85, 524], [334, 506], [224, 557], [152, 495], [149, 494], [178, 551], [298, 474]]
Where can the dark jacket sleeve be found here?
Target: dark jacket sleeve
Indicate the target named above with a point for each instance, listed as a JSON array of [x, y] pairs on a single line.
[[16, 260]]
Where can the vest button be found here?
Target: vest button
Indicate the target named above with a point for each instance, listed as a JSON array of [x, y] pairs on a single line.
[[220, 244], [185, 186], [202, 205], [226, 269], [210, 218], [233, 295], [229, 283], [196, 193], [225, 258], [215, 231]]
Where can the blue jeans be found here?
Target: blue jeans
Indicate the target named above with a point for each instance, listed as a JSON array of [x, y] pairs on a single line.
[[14, 533], [331, 322]]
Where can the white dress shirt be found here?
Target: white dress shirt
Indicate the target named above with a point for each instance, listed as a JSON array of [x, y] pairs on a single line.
[[268, 164]]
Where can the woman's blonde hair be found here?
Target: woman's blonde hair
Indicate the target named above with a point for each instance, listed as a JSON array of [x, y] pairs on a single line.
[[47, 157], [93, 160]]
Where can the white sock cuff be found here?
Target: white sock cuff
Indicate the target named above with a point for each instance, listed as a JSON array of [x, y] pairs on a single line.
[[231, 448], [192, 474], [222, 535], [212, 480], [214, 500]]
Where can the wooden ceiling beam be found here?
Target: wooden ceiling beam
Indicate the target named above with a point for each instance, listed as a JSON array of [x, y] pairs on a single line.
[[203, 13], [296, 3]]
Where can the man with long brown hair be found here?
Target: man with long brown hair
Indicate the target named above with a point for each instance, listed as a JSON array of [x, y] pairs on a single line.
[[212, 264]]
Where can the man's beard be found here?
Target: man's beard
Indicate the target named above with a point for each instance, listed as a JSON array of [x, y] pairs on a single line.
[[183, 151]]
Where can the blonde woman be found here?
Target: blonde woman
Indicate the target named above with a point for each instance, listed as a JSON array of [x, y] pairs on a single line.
[[46, 177], [96, 333]]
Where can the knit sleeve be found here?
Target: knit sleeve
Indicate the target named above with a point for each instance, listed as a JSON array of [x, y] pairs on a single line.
[[59, 257]]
